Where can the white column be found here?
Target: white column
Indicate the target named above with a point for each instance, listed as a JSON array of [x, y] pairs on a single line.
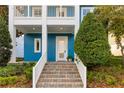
[[44, 30], [12, 30], [77, 19]]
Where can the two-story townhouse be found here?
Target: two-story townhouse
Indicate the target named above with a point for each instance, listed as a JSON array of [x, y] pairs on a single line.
[[47, 30]]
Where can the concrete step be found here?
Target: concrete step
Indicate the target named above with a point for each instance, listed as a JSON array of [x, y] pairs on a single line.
[[59, 72], [59, 69], [60, 66], [60, 80], [60, 85], [60, 63], [60, 75]]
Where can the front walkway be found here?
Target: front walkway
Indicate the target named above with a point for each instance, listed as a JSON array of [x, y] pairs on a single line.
[[60, 75]]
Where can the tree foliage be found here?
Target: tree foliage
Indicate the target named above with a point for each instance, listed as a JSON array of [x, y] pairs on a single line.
[[113, 16], [5, 43], [4, 12], [91, 44]]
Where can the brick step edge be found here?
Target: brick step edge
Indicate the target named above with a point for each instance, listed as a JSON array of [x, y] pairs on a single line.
[[61, 72], [50, 85], [60, 80]]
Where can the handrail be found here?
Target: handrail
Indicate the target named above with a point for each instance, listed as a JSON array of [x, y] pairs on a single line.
[[82, 71], [37, 69]]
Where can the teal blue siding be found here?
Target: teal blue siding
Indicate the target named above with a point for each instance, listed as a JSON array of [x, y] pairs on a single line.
[[70, 11], [51, 47], [29, 54], [51, 11], [71, 45]]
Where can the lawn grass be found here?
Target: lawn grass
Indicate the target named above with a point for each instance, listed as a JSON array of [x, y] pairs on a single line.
[[107, 76]]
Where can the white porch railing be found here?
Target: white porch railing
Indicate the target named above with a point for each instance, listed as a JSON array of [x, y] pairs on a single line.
[[37, 69], [82, 71]]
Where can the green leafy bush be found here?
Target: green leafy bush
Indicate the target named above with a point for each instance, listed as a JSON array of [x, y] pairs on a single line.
[[115, 60], [28, 73], [8, 80], [11, 70], [110, 80], [96, 76], [90, 76], [27, 65], [91, 44]]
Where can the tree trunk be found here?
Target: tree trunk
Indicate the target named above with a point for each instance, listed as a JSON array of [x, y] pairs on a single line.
[[122, 53]]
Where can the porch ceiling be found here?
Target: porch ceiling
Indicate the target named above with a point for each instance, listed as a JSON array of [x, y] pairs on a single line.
[[60, 28], [50, 28], [29, 28]]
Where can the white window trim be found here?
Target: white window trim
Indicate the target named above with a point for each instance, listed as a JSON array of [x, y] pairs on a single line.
[[57, 11], [64, 9], [35, 45]]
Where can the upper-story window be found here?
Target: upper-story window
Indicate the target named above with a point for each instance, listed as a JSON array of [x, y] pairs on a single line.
[[85, 11], [60, 11], [21, 11], [35, 11], [51, 11], [28, 11]]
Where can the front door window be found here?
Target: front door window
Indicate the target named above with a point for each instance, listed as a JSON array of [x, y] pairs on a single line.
[[61, 48]]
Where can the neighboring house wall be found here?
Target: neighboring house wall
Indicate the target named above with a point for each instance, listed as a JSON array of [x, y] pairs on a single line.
[[84, 10], [114, 49], [20, 46], [30, 55]]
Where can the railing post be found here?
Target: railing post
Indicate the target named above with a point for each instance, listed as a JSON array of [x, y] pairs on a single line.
[[33, 79], [82, 71]]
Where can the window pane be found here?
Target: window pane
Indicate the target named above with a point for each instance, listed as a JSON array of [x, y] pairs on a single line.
[[35, 11], [85, 11], [51, 11], [37, 45], [21, 11]]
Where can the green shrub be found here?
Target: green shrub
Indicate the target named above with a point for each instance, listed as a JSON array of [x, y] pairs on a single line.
[[115, 60], [5, 43], [8, 80], [3, 73], [28, 73], [11, 70], [90, 76], [110, 80], [19, 69], [27, 65], [91, 44], [122, 82]]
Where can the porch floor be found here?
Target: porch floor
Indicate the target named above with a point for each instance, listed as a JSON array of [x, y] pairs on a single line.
[[60, 75]]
